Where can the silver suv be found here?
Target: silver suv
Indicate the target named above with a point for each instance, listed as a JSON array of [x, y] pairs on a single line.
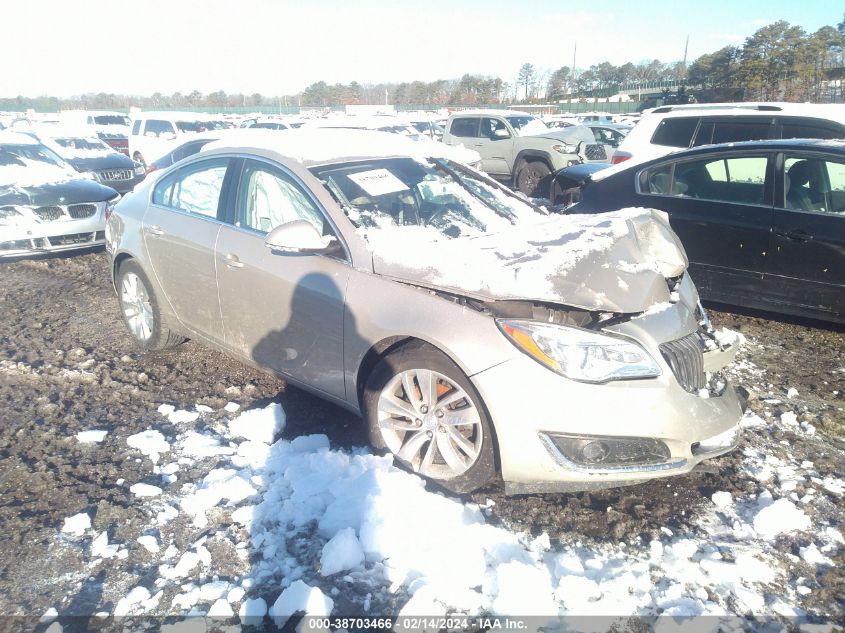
[[520, 147]]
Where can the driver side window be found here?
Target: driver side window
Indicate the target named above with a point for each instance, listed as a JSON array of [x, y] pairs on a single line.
[[269, 198]]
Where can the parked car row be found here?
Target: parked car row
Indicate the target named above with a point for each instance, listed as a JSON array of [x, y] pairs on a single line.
[[382, 272], [45, 205]]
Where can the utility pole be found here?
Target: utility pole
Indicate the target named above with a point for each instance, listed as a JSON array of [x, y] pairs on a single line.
[[684, 67]]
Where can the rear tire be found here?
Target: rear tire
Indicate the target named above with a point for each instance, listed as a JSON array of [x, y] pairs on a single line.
[[423, 409], [532, 178], [140, 309]]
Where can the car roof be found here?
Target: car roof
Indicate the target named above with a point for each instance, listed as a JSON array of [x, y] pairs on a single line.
[[827, 111], [168, 115], [483, 112], [771, 145], [319, 146], [357, 121]]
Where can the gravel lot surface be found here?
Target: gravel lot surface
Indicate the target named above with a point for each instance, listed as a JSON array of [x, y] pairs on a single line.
[[67, 365]]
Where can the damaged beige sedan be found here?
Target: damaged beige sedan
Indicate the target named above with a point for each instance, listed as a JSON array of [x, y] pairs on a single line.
[[475, 333]]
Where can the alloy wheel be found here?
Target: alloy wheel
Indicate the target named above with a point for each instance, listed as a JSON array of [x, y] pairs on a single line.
[[137, 309], [430, 423]]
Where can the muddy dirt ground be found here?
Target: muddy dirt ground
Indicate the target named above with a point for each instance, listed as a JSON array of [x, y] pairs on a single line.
[[67, 364]]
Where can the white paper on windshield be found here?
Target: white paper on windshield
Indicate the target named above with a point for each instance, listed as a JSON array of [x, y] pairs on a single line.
[[377, 182]]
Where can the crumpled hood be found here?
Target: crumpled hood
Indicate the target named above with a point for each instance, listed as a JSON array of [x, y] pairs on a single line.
[[571, 135], [612, 262]]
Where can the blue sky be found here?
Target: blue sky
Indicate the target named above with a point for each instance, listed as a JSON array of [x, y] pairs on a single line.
[[275, 47]]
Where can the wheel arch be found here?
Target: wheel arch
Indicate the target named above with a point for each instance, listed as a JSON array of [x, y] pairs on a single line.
[[116, 263], [390, 344], [530, 155]]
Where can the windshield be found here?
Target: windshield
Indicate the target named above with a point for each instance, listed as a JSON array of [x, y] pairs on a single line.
[[435, 193], [527, 125], [18, 155], [111, 119], [190, 126]]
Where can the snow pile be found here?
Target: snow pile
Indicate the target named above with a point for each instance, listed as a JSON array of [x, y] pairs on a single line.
[[91, 437], [341, 553], [779, 517], [308, 524], [300, 597], [259, 425], [77, 524], [180, 416], [150, 443]]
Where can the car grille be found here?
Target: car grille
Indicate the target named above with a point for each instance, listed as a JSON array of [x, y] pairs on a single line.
[[49, 214], [595, 152], [116, 174], [686, 358], [81, 211]]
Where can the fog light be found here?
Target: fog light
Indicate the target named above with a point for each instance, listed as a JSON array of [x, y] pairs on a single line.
[[609, 452], [594, 452]]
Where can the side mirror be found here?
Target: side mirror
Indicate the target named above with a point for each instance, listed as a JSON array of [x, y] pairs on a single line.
[[300, 236], [501, 133]]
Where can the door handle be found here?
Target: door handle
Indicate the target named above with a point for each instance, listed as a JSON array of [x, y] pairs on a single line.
[[232, 261], [796, 235], [155, 230]]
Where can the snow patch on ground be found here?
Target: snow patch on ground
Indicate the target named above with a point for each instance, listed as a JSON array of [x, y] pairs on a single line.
[[91, 437], [150, 443]]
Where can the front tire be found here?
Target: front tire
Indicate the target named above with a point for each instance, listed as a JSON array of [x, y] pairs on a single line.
[[532, 178], [421, 407], [140, 309]]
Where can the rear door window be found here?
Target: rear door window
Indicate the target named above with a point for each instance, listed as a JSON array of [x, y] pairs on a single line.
[[739, 180], [464, 127], [136, 127], [736, 131], [195, 188], [814, 184], [676, 132]]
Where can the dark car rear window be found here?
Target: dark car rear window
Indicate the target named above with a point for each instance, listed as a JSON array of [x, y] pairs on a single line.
[[675, 132], [810, 129], [738, 131]]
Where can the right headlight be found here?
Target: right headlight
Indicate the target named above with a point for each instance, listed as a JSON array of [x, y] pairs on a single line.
[[580, 354]]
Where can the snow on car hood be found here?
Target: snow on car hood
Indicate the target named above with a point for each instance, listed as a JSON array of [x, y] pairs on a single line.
[[612, 262], [31, 173], [572, 134]]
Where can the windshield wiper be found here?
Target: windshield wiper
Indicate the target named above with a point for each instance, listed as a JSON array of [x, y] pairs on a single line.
[[458, 171]]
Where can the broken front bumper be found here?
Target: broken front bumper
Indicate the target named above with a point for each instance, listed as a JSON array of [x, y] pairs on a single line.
[[537, 414]]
